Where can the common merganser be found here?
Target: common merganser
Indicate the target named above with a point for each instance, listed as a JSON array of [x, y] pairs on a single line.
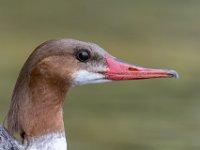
[[36, 109]]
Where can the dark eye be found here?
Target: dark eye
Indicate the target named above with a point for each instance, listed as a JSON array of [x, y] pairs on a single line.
[[83, 55]]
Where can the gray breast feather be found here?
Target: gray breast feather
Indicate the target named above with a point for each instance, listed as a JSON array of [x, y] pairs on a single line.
[[7, 141]]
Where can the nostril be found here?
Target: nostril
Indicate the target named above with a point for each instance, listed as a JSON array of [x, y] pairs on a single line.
[[132, 69]]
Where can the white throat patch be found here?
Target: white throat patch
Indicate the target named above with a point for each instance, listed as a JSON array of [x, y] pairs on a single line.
[[53, 141], [85, 77]]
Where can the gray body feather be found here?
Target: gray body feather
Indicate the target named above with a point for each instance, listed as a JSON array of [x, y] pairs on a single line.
[[7, 141]]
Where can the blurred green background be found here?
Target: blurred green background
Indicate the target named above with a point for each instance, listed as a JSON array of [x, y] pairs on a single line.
[[161, 114]]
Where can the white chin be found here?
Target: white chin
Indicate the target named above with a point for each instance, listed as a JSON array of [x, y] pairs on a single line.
[[84, 77]]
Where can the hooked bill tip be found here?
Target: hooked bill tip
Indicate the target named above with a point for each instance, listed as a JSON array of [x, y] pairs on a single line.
[[173, 74]]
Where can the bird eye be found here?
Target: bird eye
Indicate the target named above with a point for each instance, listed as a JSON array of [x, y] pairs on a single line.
[[83, 55]]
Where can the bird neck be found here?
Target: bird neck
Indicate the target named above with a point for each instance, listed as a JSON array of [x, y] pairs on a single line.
[[37, 107], [43, 111]]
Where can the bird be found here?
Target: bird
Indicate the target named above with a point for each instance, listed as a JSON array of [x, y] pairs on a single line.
[[54, 67]]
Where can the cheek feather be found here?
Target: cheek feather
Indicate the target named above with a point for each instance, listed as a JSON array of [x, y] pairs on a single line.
[[85, 77]]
